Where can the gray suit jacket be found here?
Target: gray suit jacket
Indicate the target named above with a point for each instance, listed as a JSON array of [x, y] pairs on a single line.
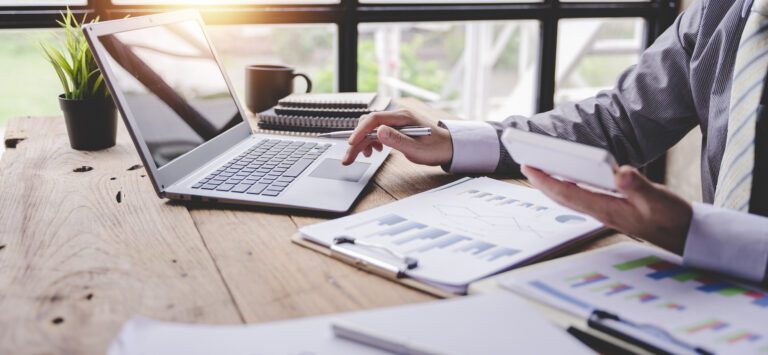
[[682, 81]]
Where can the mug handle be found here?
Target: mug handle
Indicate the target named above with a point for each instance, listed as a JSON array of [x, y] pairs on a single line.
[[309, 81]]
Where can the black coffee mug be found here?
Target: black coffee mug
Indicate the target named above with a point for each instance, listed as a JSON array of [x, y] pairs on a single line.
[[265, 85]]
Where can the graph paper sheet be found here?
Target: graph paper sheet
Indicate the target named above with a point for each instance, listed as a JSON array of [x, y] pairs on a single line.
[[463, 232], [647, 285]]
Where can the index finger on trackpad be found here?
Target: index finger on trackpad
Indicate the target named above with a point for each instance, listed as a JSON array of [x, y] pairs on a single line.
[[334, 170]]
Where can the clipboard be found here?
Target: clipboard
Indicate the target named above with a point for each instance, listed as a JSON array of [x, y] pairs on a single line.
[[395, 274], [381, 260], [373, 266], [378, 267]]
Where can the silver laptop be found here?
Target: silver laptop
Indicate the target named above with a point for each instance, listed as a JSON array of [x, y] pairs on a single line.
[[192, 133]]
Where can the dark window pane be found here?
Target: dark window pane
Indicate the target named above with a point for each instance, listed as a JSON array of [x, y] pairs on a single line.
[[220, 2], [43, 2]]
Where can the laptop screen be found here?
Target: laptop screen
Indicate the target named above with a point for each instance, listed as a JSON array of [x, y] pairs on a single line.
[[173, 85]]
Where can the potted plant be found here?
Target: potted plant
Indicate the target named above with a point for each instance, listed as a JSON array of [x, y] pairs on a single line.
[[88, 108]]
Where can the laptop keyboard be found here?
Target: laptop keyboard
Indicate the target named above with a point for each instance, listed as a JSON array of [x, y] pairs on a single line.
[[265, 169]]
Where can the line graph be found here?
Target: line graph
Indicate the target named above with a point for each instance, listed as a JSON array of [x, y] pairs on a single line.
[[476, 216]]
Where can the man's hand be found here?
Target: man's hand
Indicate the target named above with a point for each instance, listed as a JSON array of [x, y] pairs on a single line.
[[436, 149], [649, 211]]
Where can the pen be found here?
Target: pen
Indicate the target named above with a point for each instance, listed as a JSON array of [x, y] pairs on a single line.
[[370, 338], [408, 131], [644, 336]]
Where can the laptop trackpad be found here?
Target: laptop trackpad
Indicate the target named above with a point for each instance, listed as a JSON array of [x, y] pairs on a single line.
[[332, 169]]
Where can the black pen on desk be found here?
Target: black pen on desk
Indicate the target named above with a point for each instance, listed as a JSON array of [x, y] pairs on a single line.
[[408, 131]]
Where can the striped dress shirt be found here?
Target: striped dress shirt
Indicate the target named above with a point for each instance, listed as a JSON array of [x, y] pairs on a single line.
[[681, 82]]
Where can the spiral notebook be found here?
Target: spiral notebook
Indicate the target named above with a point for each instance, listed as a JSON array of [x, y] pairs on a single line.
[[359, 100], [321, 112]]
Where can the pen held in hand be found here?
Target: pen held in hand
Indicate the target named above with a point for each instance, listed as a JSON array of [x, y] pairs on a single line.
[[408, 131]]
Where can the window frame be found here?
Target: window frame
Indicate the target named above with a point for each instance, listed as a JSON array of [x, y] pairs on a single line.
[[348, 14]]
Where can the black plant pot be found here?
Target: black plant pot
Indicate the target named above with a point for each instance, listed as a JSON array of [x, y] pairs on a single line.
[[91, 123]]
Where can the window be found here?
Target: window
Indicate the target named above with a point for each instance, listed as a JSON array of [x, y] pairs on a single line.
[[308, 48], [592, 53], [478, 70], [32, 87], [43, 3], [483, 60]]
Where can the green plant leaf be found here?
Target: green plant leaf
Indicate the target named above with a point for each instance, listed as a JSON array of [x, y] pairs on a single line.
[[74, 64], [97, 85], [59, 72]]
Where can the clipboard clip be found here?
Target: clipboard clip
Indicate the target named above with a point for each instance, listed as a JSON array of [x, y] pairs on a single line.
[[369, 262], [646, 336]]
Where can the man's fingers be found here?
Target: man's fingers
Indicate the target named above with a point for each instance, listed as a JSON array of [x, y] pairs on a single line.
[[391, 137], [368, 151], [549, 186], [354, 150], [571, 196], [374, 120], [378, 146], [633, 184]]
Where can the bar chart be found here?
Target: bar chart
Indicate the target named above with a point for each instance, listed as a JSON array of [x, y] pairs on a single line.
[[643, 297], [587, 279], [417, 238], [613, 289], [661, 269], [672, 306], [462, 232], [701, 309], [712, 325]]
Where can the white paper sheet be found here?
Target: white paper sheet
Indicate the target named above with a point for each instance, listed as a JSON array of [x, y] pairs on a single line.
[[464, 232], [647, 285], [491, 324]]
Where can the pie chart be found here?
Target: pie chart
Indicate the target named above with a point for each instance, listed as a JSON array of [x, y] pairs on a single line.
[[570, 219]]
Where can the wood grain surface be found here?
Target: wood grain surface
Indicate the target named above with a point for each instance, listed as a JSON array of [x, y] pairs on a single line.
[[85, 244]]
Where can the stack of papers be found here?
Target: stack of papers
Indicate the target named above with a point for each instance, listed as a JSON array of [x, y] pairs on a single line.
[[462, 232], [492, 324], [649, 286]]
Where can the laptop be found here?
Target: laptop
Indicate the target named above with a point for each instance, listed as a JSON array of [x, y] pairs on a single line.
[[192, 134]]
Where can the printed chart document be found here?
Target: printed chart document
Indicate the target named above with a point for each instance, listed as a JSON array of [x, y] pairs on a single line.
[[648, 286], [500, 323], [463, 232]]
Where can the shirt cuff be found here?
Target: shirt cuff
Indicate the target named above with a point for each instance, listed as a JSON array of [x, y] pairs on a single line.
[[729, 242], [476, 147]]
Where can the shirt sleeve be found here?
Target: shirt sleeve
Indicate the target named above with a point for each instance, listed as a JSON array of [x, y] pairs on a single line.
[[476, 147], [729, 242]]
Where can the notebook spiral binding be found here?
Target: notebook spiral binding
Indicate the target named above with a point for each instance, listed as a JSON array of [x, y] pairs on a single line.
[[292, 133], [325, 104], [306, 124]]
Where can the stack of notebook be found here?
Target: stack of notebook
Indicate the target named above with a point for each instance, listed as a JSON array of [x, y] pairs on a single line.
[[321, 112]]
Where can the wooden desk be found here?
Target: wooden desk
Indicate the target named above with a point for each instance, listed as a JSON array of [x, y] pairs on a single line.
[[83, 251]]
